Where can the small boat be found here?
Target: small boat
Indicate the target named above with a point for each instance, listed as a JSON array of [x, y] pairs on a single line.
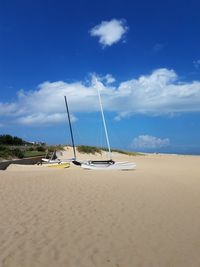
[[52, 160], [93, 165], [58, 165], [99, 164]]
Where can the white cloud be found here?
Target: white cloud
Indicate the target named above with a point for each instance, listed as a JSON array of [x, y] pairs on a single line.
[[158, 47], [7, 108], [160, 93], [42, 118], [109, 32], [148, 141], [196, 63], [109, 79]]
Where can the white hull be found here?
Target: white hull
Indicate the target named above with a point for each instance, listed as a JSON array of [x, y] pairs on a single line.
[[51, 160], [115, 166]]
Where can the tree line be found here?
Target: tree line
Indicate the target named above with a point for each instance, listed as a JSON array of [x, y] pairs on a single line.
[[7, 139]]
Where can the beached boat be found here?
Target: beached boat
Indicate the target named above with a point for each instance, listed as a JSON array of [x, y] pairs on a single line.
[[52, 160], [57, 165], [99, 164]]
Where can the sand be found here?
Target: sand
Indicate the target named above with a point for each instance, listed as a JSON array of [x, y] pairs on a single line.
[[72, 217]]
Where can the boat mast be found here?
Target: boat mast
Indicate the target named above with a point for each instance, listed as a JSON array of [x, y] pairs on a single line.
[[70, 127], [104, 123]]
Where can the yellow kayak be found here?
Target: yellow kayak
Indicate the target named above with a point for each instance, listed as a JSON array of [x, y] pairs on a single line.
[[60, 165]]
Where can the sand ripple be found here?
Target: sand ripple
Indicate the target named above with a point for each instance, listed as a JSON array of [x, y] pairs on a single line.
[[76, 218]]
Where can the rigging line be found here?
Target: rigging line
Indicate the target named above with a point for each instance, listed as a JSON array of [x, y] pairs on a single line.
[[70, 127], [104, 122]]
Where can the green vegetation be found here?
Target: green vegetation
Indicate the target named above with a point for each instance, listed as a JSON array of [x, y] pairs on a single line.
[[93, 150], [18, 153], [40, 149], [88, 149], [126, 152], [53, 148], [7, 139], [15, 147], [8, 153], [36, 151], [33, 153]]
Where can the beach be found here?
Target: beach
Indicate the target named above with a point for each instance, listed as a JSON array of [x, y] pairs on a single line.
[[148, 217]]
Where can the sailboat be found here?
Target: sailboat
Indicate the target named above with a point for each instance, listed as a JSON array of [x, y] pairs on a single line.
[[53, 158], [53, 162], [109, 164]]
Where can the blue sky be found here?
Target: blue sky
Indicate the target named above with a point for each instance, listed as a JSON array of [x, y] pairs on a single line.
[[143, 55]]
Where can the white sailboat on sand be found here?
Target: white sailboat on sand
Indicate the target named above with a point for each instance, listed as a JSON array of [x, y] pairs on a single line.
[[52, 159], [109, 164], [53, 162]]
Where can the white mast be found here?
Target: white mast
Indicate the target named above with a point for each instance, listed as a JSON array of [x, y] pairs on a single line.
[[104, 122]]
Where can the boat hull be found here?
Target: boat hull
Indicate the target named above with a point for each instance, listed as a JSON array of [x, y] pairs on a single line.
[[50, 160], [115, 166], [58, 165]]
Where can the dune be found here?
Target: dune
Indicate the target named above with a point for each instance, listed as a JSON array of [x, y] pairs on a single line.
[[72, 217]]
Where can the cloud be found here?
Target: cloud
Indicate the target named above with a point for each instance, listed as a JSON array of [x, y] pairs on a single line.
[[109, 79], [158, 47], [148, 141], [109, 32], [7, 108], [196, 63], [158, 93], [42, 118]]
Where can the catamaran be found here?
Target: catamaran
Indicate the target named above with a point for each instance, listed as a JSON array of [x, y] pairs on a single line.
[[109, 164], [53, 161]]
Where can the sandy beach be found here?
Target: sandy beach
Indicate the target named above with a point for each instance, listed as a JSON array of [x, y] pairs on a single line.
[[149, 217]]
